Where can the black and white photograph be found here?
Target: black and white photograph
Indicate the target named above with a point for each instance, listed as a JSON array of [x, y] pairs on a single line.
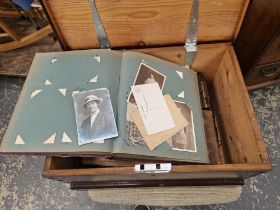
[[94, 116], [146, 75], [184, 140], [133, 134]]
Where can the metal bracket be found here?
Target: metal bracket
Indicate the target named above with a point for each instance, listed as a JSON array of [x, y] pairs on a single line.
[[191, 38], [100, 31], [153, 168]]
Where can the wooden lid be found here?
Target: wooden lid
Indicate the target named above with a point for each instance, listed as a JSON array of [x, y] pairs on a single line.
[[144, 23]]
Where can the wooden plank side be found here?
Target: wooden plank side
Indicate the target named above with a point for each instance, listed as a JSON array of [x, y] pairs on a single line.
[[55, 27], [207, 59], [262, 85], [232, 110], [9, 31], [263, 73], [35, 36], [249, 108], [73, 23], [272, 53], [257, 32], [178, 171], [143, 23], [242, 15]]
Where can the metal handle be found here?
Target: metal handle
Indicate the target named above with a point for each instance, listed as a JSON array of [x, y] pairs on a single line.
[[269, 71]]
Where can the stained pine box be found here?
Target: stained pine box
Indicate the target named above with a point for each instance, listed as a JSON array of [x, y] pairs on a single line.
[[159, 28]]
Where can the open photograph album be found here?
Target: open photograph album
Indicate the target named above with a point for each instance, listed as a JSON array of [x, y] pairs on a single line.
[[112, 103]]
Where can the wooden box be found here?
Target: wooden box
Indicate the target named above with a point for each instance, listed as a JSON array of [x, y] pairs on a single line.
[[259, 58], [159, 28]]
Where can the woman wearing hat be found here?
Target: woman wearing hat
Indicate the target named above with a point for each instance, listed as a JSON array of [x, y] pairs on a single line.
[[95, 124]]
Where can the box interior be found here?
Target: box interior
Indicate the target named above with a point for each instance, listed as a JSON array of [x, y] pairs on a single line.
[[241, 141], [158, 24]]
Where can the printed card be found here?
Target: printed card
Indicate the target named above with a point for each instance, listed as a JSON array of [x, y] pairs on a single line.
[[153, 108], [156, 139]]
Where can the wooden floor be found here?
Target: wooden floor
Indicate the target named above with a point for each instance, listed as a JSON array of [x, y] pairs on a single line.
[[17, 62]]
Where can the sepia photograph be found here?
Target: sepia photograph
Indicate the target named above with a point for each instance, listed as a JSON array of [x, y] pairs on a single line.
[[94, 116], [146, 75], [184, 140]]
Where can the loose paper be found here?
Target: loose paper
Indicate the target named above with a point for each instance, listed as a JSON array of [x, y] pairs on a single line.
[[153, 108], [154, 140]]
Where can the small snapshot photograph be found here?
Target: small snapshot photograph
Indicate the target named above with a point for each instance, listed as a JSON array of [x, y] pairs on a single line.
[[94, 116], [184, 140], [133, 134], [146, 75]]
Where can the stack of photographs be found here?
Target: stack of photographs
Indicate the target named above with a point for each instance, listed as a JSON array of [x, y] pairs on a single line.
[[181, 141]]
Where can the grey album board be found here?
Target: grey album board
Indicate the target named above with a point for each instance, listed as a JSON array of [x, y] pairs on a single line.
[[44, 122]]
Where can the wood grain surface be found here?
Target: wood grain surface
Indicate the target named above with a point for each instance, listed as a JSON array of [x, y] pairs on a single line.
[[9, 31], [178, 171], [263, 73], [273, 52], [262, 85], [263, 154], [261, 26], [237, 124], [236, 113], [207, 59], [144, 23], [24, 41]]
